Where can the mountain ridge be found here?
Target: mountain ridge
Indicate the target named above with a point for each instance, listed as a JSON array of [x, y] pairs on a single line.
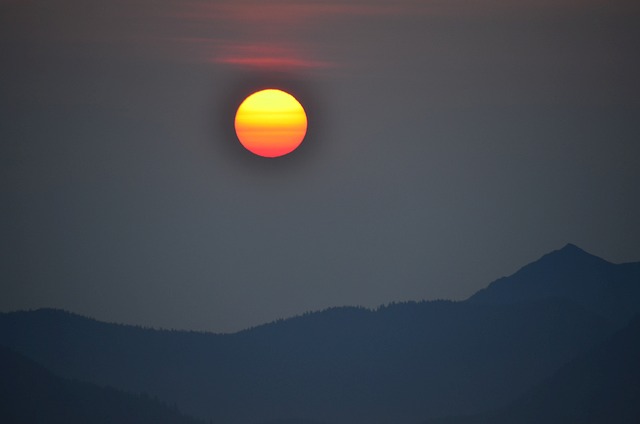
[[568, 253], [612, 290], [312, 362], [599, 385], [30, 394], [401, 362]]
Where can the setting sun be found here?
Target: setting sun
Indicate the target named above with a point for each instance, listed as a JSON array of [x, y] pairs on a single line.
[[271, 123]]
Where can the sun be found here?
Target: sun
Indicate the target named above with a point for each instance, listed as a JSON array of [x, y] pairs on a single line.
[[271, 123]]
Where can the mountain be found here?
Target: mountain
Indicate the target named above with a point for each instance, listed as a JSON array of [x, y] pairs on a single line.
[[29, 394], [400, 363], [612, 290], [601, 385]]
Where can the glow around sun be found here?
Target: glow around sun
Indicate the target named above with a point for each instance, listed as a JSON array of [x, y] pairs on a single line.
[[271, 123]]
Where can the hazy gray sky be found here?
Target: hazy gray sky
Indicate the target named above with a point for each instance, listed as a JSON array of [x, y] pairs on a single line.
[[450, 142]]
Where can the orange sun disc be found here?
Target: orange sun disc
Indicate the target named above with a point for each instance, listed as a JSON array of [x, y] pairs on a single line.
[[271, 123]]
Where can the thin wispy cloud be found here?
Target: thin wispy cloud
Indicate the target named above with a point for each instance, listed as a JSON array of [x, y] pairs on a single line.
[[276, 34], [271, 35], [252, 33]]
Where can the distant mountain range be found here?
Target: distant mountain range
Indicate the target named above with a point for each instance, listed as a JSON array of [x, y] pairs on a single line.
[[402, 363], [29, 394], [600, 386]]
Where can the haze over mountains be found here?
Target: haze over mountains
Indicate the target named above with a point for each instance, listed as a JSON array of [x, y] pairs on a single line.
[[505, 349], [600, 386], [31, 394]]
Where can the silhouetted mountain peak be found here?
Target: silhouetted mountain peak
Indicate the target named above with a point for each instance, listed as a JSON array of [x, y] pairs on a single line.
[[569, 255], [571, 247], [573, 274]]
